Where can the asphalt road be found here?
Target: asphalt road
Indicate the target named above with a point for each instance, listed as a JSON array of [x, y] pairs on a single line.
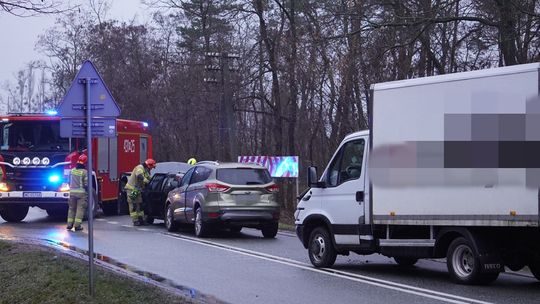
[[246, 268]]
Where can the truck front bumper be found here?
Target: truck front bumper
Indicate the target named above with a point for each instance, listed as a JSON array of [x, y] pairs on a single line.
[[33, 197]]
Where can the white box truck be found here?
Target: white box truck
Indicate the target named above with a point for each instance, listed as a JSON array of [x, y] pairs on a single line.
[[450, 168]]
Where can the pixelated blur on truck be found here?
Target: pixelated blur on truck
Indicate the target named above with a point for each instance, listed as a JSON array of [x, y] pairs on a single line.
[[36, 161]]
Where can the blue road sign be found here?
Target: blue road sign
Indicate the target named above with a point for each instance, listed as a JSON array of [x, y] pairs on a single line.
[[76, 127], [101, 99]]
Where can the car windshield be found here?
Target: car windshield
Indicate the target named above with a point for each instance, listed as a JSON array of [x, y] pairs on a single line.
[[32, 136], [244, 176]]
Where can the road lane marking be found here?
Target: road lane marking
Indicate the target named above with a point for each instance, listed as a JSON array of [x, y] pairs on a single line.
[[100, 220], [112, 222], [127, 226], [143, 229], [432, 294]]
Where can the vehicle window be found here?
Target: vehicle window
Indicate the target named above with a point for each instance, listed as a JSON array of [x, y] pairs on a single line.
[[32, 136], [200, 174], [156, 181], [187, 177], [244, 176], [347, 165]]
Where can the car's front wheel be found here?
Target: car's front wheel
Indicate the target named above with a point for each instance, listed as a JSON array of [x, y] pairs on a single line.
[[170, 223], [321, 250]]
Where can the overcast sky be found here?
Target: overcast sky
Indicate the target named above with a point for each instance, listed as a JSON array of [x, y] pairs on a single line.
[[18, 36]]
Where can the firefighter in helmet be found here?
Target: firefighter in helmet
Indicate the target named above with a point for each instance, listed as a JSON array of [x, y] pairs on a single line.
[[139, 178], [78, 196], [192, 161]]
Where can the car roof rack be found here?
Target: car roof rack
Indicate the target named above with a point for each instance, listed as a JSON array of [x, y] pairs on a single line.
[[211, 162]]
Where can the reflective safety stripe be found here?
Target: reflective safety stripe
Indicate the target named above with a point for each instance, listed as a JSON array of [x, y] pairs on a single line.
[[79, 190], [70, 220], [133, 214], [141, 213], [78, 221]]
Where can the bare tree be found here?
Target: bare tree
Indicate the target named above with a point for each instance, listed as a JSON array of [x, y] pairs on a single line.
[[25, 8]]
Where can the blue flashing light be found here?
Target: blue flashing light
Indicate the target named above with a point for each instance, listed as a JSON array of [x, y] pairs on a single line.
[[145, 124], [54, 178], [51, 112]]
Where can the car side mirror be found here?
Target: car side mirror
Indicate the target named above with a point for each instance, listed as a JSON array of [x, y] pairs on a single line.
[[313, 180]]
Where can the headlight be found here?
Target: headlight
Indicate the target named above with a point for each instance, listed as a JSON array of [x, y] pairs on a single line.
[[4, 187], [26, 161], [45, 161], [35, 161], [16, 161]]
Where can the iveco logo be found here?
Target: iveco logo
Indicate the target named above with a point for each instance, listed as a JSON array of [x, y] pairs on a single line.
[[492, 266]]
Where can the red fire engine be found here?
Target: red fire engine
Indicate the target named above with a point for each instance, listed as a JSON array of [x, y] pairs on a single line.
[[36, 162]]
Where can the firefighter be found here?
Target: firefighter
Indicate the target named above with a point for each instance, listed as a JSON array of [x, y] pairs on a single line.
[[78, 196], [139, 178], [192, 161]]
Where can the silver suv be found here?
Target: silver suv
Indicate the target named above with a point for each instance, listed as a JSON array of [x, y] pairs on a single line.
[[229, 195]]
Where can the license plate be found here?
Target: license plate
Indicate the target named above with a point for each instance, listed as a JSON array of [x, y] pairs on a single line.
[[31, 194], [247, 198]]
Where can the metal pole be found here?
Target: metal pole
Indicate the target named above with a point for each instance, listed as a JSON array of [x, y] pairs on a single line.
[[88, 82]]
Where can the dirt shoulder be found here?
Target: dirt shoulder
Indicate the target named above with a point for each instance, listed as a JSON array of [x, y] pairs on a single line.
[[38, 274]]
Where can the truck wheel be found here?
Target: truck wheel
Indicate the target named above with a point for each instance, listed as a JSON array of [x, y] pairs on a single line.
[[170, 224], [110, 208], [269, 231], [14, 213], [405, 261], [464, 264], [321, 250], [59, 213], [122, 203], [535, 269], [201, 228]]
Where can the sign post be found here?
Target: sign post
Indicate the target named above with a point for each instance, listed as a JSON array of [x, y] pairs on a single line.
[[88, 110]]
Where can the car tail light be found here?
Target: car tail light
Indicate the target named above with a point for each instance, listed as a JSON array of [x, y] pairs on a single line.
[[64, 187], [273, 189], [212, 215], [216, 187], [4, 187]]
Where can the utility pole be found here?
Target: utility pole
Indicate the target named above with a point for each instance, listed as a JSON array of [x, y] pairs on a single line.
[[227, 141]]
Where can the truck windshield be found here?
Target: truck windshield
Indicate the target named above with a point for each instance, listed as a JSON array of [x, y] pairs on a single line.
[[32, 136]]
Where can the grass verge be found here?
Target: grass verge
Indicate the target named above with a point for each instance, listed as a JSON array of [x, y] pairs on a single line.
[[35, 274]]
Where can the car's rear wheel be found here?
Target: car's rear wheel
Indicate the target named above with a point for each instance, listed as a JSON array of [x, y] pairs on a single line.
[[270, 231], [321, 250], [14, 213], [201, 228], [170, 223]]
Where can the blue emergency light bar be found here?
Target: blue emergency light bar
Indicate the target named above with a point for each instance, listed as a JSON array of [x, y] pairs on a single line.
[[51, 112]]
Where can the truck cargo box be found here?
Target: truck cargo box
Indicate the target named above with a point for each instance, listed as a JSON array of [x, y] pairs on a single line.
[[460, 149]]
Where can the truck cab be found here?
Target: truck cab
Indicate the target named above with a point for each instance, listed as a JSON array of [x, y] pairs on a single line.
[[331, 212]]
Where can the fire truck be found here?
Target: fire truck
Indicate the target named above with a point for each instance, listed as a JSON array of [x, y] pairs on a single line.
[[36, 161]]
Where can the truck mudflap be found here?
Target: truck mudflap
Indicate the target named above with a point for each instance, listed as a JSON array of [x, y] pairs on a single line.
[[491, 263]]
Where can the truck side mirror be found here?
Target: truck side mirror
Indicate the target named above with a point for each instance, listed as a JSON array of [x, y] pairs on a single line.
[[313, 180]]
